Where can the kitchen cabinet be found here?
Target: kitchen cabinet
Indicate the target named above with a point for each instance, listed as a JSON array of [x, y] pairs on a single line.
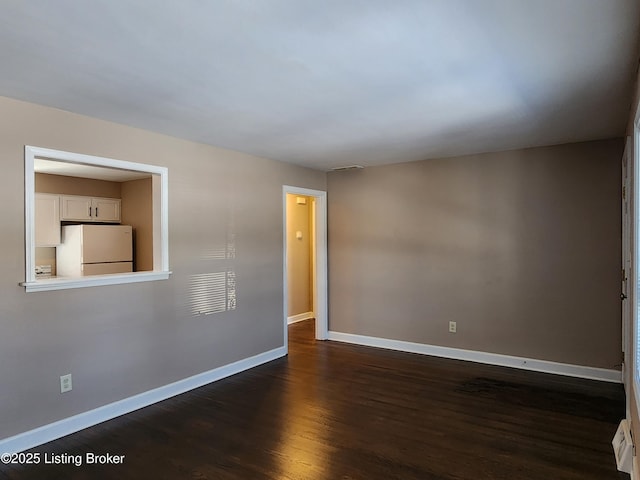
[[90, 209], [47, 220]]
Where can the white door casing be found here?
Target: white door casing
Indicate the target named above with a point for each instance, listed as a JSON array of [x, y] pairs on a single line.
[[319, 215], [626, 268]]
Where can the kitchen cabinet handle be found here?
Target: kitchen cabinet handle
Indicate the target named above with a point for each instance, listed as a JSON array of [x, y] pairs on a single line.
[[89, 211], [96, 212]]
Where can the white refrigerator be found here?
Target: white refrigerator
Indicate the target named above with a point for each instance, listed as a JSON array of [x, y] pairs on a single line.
[[94, 250]]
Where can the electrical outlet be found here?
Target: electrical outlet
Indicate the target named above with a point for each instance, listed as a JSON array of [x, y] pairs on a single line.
[[453, 327], [65, 383]]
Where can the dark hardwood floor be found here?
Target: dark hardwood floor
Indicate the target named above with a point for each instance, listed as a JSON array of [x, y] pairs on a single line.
[[337, 411]]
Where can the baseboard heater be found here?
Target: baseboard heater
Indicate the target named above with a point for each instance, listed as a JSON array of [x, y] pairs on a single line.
[[623, 447]]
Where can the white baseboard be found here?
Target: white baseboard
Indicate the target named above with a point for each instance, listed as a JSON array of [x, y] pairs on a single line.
[[300, 317], [603, 374], [52, 431]]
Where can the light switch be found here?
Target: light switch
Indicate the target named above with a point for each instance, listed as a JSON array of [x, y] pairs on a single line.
[[299, 235]]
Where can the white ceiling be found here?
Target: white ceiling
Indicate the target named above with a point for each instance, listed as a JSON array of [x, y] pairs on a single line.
[[326, 83], [70, 169]]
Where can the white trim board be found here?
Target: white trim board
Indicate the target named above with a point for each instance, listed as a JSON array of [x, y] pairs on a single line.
[[47, 284], [299, 317], [523, 363], [53, 431]]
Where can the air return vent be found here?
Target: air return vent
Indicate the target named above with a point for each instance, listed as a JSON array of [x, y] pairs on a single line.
[[623, 447], [348, 167]]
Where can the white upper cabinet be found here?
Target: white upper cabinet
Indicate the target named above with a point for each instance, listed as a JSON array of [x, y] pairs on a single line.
[[106, 209], [76, 208], [47, 220], [90, 209]]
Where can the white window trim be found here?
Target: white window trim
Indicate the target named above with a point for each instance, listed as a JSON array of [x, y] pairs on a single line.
[[161, 223]]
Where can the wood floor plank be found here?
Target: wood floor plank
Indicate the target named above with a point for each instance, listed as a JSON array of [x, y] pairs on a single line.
[[337, 411]]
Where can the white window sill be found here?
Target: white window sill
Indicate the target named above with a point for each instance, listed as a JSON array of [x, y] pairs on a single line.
[[92, 281]]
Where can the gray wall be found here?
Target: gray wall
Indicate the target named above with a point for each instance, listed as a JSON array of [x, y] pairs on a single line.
[[121, 340], [520, 248]]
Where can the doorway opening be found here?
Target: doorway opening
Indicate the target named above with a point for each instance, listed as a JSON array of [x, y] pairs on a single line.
[[305, 258]]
